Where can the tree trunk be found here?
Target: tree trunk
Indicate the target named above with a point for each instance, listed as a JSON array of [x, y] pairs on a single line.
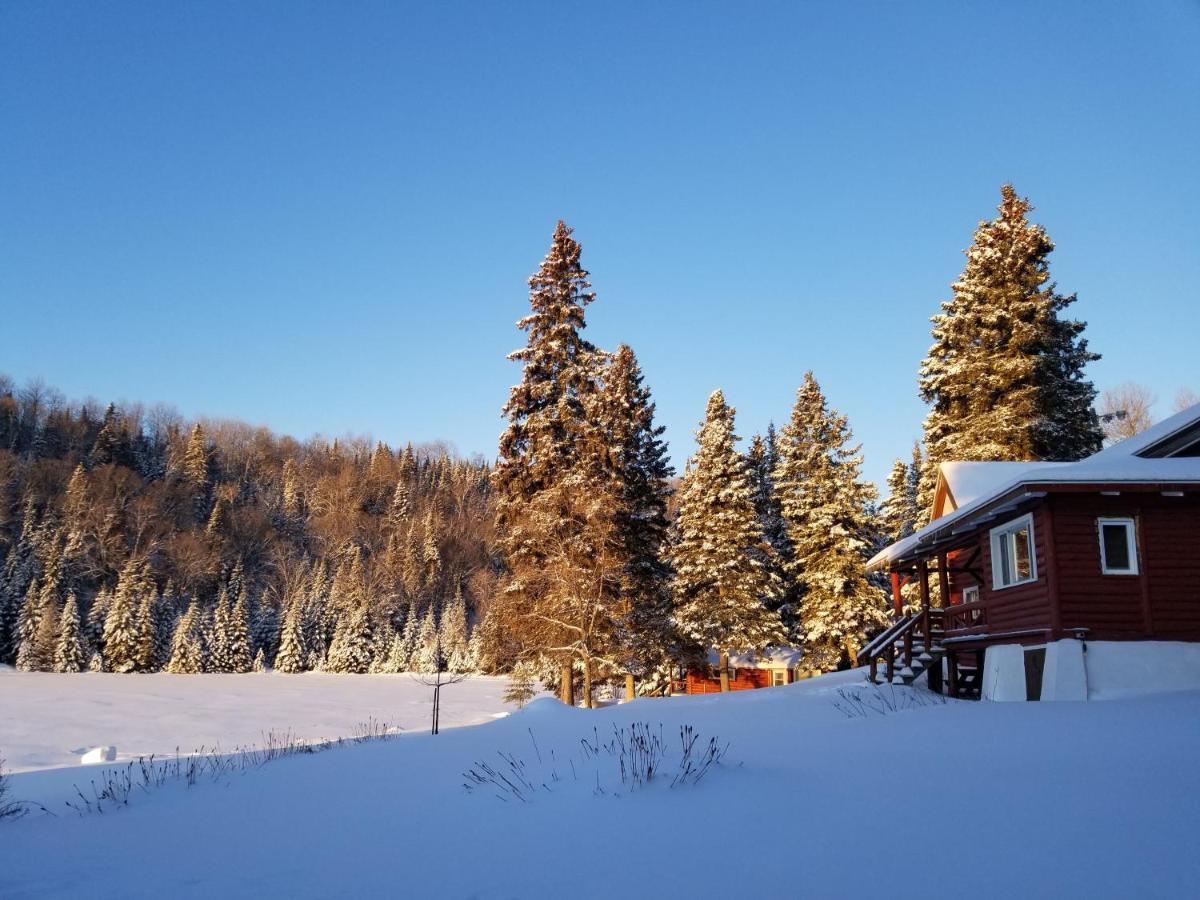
[[724, 671], [587, 684], [629, 688], [566, 685]]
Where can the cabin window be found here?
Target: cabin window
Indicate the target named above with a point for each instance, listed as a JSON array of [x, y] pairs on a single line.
[[1013, 557], [1118, 546], [971, 594], [778, 677]]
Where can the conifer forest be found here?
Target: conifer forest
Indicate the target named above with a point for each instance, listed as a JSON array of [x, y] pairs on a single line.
[[133, 541]]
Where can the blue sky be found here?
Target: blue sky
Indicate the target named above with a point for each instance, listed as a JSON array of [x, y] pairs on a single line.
[[320, 217]]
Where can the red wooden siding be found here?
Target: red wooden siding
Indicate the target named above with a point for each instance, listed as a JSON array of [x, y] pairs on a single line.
[[739, 680], [1162, 601]]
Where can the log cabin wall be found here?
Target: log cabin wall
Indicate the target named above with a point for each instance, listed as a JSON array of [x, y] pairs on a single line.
[[1024, 606], [739, 680], [1163, 599]]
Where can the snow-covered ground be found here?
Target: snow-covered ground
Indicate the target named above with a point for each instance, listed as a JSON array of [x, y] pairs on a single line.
[[990, 799], [47, 720]]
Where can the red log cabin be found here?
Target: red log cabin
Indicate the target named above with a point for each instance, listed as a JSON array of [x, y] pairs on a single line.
[[1048, 581], [772, 668]]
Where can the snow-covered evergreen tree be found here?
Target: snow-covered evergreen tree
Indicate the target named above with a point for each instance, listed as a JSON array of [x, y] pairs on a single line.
[[28, 657], [123, 639], [641, 473], [721, 583], [351, 649], [69, 654], [762, 457], [1005, 374], [429, 644], [455, 639], [187, 651], [293, 655], [238, 657], [825, 505]]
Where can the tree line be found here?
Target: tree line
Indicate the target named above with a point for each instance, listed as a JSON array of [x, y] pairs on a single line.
[[133, 541]]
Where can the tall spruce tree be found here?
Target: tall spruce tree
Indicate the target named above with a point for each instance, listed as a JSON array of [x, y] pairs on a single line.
[[550, 498], [642, 473], [1005, 374], [722, 586], [763, 457], [825, 505]]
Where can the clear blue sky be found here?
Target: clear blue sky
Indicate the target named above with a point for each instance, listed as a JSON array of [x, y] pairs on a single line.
[[320, 216]]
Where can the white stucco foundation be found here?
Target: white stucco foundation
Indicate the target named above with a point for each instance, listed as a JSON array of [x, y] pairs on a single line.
[[1095, 670]]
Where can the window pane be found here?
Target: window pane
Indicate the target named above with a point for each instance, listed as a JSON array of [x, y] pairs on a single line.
[[1116, 546], [1005, 568], [1021, 554]]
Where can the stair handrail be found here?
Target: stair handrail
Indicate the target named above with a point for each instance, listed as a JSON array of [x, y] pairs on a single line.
[[875, 648]]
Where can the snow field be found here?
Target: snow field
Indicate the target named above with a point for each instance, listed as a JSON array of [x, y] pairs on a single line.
[[47, 720], [1028, 799]]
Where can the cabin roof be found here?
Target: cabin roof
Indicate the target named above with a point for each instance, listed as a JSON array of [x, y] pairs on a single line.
[[775, 658], [1127, 462]]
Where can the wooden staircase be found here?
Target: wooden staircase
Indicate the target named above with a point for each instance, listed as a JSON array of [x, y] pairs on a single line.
[[913, 646]]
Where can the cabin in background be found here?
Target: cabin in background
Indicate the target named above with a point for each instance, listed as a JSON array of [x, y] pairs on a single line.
[[1055, 580], [747, 671]]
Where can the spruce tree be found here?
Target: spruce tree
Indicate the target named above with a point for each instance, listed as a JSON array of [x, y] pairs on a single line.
[[351, 649], [293, 655], [28, 656], [122, 636], [455, 640], [237, 639], [1005, 374], [722, 586], [69, 655], [197, 471], [762, 457], [825, 505], [641, 474], [549, 494]]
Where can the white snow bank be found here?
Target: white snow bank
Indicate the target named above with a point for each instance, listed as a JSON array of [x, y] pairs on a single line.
[[1044, 783], [48, 720]]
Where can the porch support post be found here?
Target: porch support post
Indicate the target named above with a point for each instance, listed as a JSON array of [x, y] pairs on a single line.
[[944, 580], [923, 576], [897, 600], [952, 673]]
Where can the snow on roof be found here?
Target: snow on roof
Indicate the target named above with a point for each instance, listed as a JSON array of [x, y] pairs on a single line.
[[1096, 469], [968, 481], [775, 658], [1153, 435]]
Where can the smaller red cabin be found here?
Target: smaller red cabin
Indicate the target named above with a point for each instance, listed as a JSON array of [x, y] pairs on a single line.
[[746, 671]]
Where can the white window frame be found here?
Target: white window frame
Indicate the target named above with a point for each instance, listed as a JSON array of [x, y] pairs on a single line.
[[1130, 543], [1005, 533], [974, 594], [780, 674]]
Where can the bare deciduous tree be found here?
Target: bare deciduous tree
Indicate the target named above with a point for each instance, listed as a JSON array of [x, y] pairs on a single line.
[[1185, 398], [1126, 410]]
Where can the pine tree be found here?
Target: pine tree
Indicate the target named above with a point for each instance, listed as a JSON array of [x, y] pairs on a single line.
[[351, 649], [556, 497], [237, 639], [429, 644], [69, 655], [28, 657], [899, 513], [825, 505], [641, 474], [123, 639], [197, 470], [401, 504], [721, 583], [1005, 374], [762, 457], [293, 655], [431, 556], [455, 640], [187, 651]]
